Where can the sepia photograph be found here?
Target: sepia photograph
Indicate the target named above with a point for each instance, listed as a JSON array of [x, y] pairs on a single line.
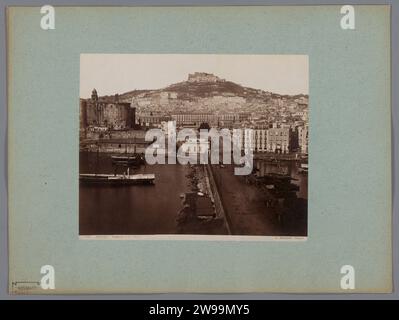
[[193, 144]]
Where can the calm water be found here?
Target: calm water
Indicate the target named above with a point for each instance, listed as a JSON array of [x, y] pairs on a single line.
[[130, 209]]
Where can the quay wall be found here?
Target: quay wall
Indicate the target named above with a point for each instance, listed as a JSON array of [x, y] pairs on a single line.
[[220, 211]]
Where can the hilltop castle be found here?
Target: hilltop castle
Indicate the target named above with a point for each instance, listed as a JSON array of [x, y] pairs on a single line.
[[203, 77]]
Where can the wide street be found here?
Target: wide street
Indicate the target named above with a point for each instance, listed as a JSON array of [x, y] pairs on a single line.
[[244, 204], [246, 210]]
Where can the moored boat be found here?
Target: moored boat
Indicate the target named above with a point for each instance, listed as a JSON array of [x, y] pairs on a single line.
[[117, 179], [126, 159]]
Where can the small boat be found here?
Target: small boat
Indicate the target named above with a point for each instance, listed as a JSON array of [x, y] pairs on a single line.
[[117, 179], [129, 160]]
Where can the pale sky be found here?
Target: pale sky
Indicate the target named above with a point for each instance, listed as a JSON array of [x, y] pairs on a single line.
[[119, 73]]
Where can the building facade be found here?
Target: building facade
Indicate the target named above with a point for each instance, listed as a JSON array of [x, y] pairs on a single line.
[[214, 120], [303, 138], [106, 113], [254, 140], [278, 140], [152, 119], [195, 146]]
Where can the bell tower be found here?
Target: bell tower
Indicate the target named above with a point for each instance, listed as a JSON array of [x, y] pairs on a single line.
[[94, 95]]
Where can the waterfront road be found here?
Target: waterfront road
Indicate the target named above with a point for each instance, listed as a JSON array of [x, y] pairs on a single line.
[[244, 204]]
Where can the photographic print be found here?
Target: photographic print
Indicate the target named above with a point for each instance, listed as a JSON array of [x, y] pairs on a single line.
[[192, 144]]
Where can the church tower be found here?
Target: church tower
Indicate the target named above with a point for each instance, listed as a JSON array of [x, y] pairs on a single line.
[[94, 95], [97, 106]]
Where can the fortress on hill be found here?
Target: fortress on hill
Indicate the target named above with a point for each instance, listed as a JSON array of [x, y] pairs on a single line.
[[203, 77]]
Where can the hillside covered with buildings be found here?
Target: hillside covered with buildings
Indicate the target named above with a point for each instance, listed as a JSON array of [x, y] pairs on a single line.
[[207, 93], [204, 98]]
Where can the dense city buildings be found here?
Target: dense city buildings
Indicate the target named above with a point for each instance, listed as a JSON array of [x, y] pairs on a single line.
[[269, 122], [203, 77], [195, 119], [278, 140]]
